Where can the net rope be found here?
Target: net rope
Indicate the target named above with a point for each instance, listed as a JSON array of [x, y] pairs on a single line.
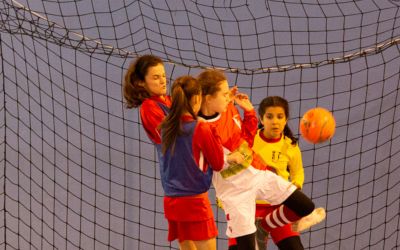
[[78, 171]]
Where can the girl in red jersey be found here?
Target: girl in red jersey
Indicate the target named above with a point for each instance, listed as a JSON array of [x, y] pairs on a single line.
[[145, 85], [239, 185], [190, 153]]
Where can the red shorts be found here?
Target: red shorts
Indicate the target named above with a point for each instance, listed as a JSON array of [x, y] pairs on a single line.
[[190, 218], [196, 230]]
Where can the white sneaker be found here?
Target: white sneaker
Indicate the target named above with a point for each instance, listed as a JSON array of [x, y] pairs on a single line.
[[310, 220]]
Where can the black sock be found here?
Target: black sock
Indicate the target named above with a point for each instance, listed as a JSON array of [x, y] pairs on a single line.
[[246, 242], [299, 203], [291, 243]]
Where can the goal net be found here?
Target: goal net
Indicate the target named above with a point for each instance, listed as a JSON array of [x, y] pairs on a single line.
[[77, 169]]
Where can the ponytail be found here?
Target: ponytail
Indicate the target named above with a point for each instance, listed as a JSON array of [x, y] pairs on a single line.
[[288, 133], [182, 91]]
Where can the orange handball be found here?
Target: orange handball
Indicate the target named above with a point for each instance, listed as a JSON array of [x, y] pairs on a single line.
[[317, 125]]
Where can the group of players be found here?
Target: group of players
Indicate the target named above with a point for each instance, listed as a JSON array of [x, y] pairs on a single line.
[[201, 138]]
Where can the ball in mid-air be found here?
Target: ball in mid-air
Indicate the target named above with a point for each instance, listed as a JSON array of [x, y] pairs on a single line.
[[317, 125]]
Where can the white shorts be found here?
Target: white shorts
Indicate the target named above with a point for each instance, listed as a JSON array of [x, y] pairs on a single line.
[[238, 194]]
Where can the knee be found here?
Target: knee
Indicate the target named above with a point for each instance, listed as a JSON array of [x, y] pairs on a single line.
[[299, 203]]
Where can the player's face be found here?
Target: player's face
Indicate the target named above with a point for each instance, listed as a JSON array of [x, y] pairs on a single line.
[[218, 102], [274, 121], [155, 81]]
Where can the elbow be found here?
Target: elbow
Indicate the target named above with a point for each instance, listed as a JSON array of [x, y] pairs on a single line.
[[218, 169]]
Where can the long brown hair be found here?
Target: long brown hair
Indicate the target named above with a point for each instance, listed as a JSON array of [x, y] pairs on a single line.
[[134, 93], [182, 91], [277, 101], [209, 80]]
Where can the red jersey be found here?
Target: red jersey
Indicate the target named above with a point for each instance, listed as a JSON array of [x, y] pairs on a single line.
[[235, 132], [152, 115], [186, 171]]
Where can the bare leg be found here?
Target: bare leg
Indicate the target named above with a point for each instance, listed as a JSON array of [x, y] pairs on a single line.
[[187, 245], [210, 244]]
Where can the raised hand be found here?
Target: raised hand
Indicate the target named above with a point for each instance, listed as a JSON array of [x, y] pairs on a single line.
[[235, 157], [243, 101], [233, 91]]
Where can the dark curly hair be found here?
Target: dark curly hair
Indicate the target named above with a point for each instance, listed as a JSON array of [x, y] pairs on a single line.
[[135, 94], [277, 101]]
